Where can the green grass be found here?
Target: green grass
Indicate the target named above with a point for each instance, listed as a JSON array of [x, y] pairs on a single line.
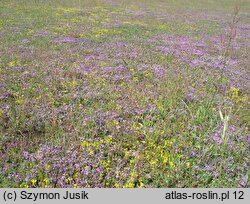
[[115, 83]]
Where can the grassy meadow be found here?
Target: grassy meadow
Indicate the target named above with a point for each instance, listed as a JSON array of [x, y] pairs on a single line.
[[124, 93]]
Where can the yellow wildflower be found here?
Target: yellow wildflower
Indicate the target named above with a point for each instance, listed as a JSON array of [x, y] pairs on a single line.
[[33, 181]]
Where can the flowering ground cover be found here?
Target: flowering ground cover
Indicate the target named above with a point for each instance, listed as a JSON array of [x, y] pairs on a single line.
[[132, 94]]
